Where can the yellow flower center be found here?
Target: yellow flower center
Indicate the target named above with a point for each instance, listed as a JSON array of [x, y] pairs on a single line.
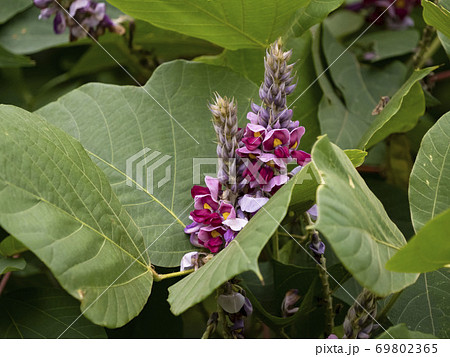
[[226, 214], [251, 156], [206, 206], [271, 163], [257, 134], [277, 142], [296, 143], [215, 234]]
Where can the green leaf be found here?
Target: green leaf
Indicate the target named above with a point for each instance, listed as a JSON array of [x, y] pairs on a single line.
[[424, 306], [169, 45], [113, 123], [344, 22], [437, 16], [401, 331], [240, 255], [387, 44], [356, 156], [249, 62], [10, 60], [44, 313], [355, 223], [445, 41], [428, 250], [11, 246], [58, 203], [26, 34], [11, 264], [401, 113], [11, 8], [395, 203], [232, 24], [428, 187], [346, 121], [315, 12]]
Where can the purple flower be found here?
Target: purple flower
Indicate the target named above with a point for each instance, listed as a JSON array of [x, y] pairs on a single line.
[[301, 157], [252, 204], [42, 4], [275, 138], [288, 307], [82, 5], [59, 23], [188, 261], [318, 248], [215, 223]]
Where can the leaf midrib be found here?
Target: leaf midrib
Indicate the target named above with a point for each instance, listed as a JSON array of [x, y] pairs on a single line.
[[138, 185]]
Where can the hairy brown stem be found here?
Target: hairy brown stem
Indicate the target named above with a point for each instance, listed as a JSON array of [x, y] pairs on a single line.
[[323, 274], [4, 281]]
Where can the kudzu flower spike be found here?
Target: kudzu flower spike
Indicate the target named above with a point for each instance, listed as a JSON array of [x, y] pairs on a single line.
[[225, 123], [359, 322], [271, 139]]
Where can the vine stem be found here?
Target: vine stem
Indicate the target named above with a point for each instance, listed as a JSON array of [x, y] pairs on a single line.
[[159, 277], [4, 281], [423, 53], [430, 51], [296, 236], [388, 306], [275, 245], [329, 313], [323, 275]]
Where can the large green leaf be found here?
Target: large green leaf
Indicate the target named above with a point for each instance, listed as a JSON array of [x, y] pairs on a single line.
[[11, 8], [429, 187], [232, 24], [427, 251], [10, 60], [11, 264], [114, 123], [361, 86], [437, 16], [355, 222], [424, 306], [43, 313], [401, 331], [401, 113], [57, 202], [312, 14], [249, 62], [242, 253]]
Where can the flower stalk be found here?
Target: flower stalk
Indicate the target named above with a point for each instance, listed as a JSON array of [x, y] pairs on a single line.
[[159, 277]]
